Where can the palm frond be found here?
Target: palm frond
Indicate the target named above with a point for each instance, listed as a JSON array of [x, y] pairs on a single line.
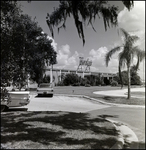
[[139, 54], [129, 40], [122, 59], [132, 39], [125, 33], [88, 10], [110, 53], [59, 15]]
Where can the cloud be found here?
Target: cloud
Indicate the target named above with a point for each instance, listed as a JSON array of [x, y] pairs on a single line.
[[133, 21], [54, 44], [98, 61], [65, 49], [65, 59]]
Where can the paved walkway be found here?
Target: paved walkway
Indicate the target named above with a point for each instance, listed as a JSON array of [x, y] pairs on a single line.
[[122, 92]]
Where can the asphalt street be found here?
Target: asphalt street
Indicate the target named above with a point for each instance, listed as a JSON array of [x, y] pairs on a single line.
[[134, 118]]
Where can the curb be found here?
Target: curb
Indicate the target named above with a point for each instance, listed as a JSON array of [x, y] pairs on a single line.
[[127, 139], [120, 140], [102, 102]]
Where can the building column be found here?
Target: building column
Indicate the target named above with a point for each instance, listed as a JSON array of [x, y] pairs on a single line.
[[83, 74], [60, 75], [51, 74]]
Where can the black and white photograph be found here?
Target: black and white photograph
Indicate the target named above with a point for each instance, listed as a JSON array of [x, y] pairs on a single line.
[[72, 74]]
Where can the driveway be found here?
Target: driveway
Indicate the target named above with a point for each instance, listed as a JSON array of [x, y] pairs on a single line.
[[62, 103]]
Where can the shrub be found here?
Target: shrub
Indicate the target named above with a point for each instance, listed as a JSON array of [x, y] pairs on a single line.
[[60, 84], [76, 84], [70, 79], [87, 85], [114, 83]]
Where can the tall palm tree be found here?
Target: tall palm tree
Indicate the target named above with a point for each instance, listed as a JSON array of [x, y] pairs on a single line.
[[88, 11], [127, 52]]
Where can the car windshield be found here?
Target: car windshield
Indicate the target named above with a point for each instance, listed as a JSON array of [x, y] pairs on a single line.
[[45, 85]]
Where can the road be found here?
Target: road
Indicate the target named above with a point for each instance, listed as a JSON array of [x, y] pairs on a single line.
[[134, 118]]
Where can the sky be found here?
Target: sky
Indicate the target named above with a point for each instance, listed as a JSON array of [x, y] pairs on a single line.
[[69, 46]]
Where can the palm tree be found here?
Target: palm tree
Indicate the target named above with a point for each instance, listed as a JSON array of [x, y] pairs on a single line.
[[126, 55], [88, 11]]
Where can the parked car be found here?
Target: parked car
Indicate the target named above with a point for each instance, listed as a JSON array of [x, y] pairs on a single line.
[[18, 98], [45, 89], [13, 98]]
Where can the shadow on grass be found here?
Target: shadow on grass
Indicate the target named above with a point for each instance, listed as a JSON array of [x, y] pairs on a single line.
[[46, 127], [105, 116], [124, 100], [134, 145]]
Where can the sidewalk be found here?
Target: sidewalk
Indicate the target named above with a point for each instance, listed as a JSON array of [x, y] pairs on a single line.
[[122, 92]]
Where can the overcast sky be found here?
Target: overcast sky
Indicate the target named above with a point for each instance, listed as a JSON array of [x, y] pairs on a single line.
[[70, 47]]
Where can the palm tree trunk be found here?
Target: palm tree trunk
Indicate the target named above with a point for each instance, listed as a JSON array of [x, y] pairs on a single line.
[[120, 76], [129, 82]]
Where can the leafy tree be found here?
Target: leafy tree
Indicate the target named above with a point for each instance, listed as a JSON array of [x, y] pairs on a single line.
[[93, 80], [88, 11], [126, 56], [71, 79], [24, 47], [135, 79]]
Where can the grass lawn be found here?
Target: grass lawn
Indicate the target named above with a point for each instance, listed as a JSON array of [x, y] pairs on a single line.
[[55, 130], [88, 91]]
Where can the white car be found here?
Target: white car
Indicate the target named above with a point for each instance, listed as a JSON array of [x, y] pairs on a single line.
[[19, 98], [45, 89], [13, 98]]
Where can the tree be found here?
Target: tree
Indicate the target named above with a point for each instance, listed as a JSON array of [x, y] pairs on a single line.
[[88, 11], [135, 79], [24, 47], [126, 56], [8, 12], [93, 80], [71, 79]]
